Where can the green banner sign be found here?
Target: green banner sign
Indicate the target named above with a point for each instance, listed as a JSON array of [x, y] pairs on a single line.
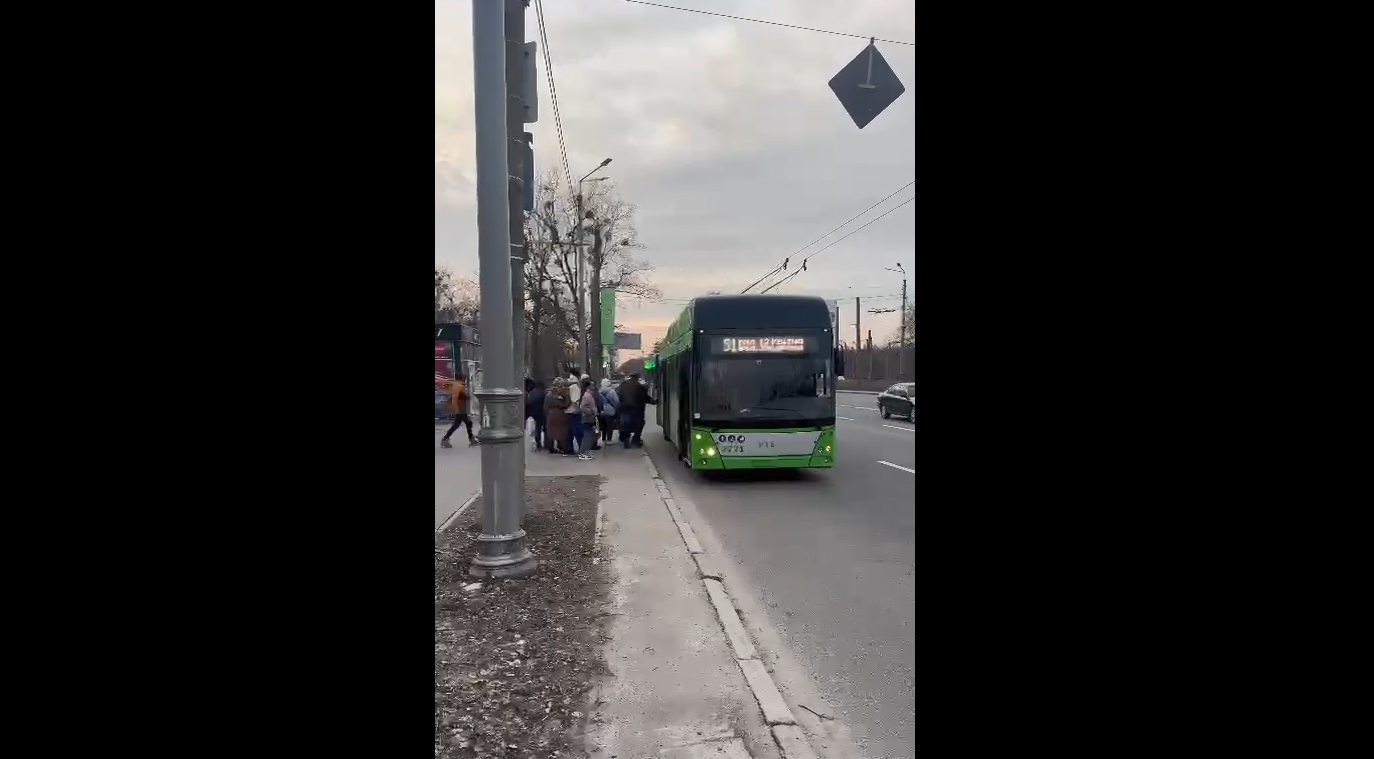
[[607, 317]]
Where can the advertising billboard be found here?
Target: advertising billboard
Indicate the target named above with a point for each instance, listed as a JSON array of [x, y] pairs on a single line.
[[444, 371]]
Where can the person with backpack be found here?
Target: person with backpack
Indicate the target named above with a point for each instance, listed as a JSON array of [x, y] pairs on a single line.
[[610, 407], [459, 401]]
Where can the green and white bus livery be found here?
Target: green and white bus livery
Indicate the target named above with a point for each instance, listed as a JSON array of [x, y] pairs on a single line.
[[748, 382]]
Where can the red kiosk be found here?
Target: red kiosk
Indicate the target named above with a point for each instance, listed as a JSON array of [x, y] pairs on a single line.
[[457, 348]]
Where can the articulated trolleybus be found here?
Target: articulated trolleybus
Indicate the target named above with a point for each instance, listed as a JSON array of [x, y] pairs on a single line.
[[748, 382]]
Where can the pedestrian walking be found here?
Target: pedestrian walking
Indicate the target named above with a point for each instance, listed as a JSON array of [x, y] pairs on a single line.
[[459, 401], [610, 407], [588, 408], [556, 420]]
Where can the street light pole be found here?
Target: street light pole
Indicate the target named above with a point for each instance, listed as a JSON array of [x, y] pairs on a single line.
[[582, 315], [501, 548], [901, 340], [582, 312], [515, 156]]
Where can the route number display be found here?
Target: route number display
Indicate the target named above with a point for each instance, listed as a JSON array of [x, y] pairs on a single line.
[[762, 345]]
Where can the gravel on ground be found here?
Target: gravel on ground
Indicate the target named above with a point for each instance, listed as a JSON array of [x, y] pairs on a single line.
[[515, 661]]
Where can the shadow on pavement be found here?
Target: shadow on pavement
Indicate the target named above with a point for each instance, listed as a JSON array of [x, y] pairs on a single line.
[[708, 478]]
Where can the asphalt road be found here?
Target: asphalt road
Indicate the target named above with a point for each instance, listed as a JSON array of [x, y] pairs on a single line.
[[831, 557]]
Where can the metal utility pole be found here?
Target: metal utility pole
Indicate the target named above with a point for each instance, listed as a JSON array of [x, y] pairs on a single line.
[[516, 149], [870, 354], [901, 336], [858, 314], [901, 351], [583, 314], [501, 548]]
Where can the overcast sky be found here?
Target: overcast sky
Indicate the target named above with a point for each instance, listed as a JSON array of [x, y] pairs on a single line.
[[723, 132]]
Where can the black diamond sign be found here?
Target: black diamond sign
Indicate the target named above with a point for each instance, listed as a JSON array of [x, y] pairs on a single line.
[[867, 86]]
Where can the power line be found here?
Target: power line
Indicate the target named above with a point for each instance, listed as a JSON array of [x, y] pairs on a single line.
[[773, 23], [827, 234], [856, 229], [553, 91]]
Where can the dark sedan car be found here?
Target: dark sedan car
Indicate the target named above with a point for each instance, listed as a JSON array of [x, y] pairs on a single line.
[[899, 400]]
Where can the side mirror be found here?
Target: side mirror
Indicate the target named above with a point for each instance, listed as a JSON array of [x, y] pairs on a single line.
[[839, 363]]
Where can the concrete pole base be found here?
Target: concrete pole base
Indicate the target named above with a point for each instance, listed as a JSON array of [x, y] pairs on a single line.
[[501, 548], [502, 556], [509, 572]]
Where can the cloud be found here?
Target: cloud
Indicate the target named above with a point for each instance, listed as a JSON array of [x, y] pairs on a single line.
[[724, 133]]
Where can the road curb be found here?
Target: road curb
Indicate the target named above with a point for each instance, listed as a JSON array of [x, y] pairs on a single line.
[[787, 734], [792, 741], [729, 619], [454, 516]]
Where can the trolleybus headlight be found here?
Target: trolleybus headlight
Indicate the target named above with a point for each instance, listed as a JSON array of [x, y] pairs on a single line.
[[698, 436], [710, 451], [827, 449]]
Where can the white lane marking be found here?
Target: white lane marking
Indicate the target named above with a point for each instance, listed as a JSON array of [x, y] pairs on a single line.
[[861, 408], [894, 466], [847, 419], [908, 429]]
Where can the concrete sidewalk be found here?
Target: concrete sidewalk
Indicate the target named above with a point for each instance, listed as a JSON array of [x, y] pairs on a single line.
[[457, 472], [677, 652], [676, 690]]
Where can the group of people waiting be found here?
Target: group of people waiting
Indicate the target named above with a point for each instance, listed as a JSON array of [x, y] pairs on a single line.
[[572, 417]]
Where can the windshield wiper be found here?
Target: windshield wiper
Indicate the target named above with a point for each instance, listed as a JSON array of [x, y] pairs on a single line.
[[772, 408]]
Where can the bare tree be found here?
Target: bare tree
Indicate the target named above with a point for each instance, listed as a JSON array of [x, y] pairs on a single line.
[[609, 224], [456, 300], [550, 287], [612, 264], [895, 339]]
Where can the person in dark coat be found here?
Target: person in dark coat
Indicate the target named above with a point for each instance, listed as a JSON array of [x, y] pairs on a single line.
[[641, 400], [534, 409], [628, 391], [634, 396]]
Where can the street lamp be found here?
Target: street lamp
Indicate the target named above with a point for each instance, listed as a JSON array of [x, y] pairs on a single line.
[[582, 263], [901, 343]]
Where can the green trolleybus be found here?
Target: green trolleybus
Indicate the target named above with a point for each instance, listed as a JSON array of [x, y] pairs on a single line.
[[748, 382]]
